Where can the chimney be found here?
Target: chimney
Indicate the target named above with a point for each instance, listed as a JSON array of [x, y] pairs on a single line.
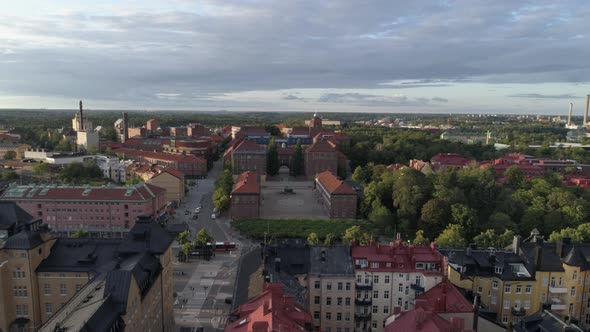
[[266, 307], [475, 312], [538, 256], [82, 117], [125, 127], [569, 115], [586, 113], [559, 247], [516, 244]]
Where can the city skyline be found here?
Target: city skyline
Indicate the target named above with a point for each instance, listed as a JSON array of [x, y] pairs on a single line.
[[506, 57]]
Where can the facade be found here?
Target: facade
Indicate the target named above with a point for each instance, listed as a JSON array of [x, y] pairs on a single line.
[[202, 147], [315, 125], [16, 147], [392, 276], [198, 130], [447, 161], [273, 310], [152, 125], [77, 123], [321, 156], [112, 168], [245, 197], [136, 132], [247, 155], [337, 196], [191, 166], [88, 140], [47, 281], [172, 181], [178, 131], [101, 211]]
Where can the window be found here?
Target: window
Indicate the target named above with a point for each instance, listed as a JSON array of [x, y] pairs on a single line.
[[507, 289], [517, 304], [339, 286], [571, 308], [347, 301], [339, 301], [575, 275], [573, 291], [316, 315], [329, 286], [47, 289], [348, 286], [374, 265], [386, 279], [48, 308], [505, 319], [479, 290], [20, 291], [419, 265], [419, 280], [347, 318], [375, 279], [527, 289], [385, 309], [19, 310], [553, 282], [399, 301], [374, 324], [498, 270], [338, 316], [316, 284], [527, 304], [506, 304], [400, 288], [375, 309], [328, 301], [386, 294], [543, 297], [62, 290], [494, 284], [494, 299], [359, 278], [328, 315], [375, 294], [518, 289], [316, 300]]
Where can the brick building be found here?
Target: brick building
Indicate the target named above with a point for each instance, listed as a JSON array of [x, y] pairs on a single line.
[[246, 155], [167, 178], [338, 197], [198, 130], [245, 197], [201, 148], [447, 161], [191, 166], [152, 125], [46, 282], [321, 156], [101, 211]]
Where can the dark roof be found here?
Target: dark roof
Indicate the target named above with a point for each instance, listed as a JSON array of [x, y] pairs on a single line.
[[146, 235], [483, 262], [81, 255], [24, 240], [337, 260], [104, 318], [543, 321], [12, 215], [541, 256]]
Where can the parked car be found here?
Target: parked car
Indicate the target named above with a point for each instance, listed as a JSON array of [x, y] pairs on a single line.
[[195, 216], [187, 212], [213, 216], [197, 210]]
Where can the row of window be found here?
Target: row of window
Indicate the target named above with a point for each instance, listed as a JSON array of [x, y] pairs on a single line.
[[339, 301], [328, 316], [317, 285], [387, 279], [508, 288], [63, 289]]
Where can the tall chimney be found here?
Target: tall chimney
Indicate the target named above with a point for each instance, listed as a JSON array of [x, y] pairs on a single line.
[[586, 113], [81, 118], [125, 127], [569, 115]]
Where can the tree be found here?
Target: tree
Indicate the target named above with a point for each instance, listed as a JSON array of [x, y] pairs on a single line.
[[183, 237], [8, 174], [221, 200], [40, 169], [203, 237], [514, 177], [297, 167], [133, 179], [351, 234], [382, 217], [81, 234], [329, 240], [500, 221], [187, 247], [466, 217], [10, 155], [492, 239], [434, 217], [312, 239], [272, 161], [451, 237], [420, 239], [411, 191], [362, 174], [64, 146]]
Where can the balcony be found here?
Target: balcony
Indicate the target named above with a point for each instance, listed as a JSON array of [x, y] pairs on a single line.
[[558, 307], [365, 301], [417, 288], [361, 286], [362, 317], [518, 312], [558, 290]]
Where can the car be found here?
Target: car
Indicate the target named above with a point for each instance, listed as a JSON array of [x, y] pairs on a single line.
[[213, 216], [197, 210], [215, 210], [195, 216], [187, 212]]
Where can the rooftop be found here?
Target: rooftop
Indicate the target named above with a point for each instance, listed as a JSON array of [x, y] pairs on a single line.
[[334, 185], [321, 146], [247, 184]]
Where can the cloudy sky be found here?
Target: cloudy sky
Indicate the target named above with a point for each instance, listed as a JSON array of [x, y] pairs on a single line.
[[469, 56]]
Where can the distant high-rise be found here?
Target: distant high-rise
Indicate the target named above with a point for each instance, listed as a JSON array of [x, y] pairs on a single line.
[[569, 115]]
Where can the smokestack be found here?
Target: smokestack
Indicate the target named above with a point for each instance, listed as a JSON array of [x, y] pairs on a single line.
[[81, 118], [125, 127], [569, 115], [586, 114]]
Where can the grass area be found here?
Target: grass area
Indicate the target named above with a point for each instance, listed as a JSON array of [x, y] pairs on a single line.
[[297, 228]]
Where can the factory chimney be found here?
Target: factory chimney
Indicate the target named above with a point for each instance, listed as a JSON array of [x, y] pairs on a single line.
[[125, 127], [81, 118], [569, 115], [586, 113]]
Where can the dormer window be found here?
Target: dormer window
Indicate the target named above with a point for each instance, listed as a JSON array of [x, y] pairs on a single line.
[[498, 270]]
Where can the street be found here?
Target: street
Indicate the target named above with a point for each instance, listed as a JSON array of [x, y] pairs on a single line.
[[201, 286]]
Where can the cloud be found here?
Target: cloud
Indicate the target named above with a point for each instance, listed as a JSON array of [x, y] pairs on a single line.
[[440, 100], [377, 100], [542, 96], [293, 97]]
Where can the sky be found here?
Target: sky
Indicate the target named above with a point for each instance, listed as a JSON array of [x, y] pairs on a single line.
[[463, 56]]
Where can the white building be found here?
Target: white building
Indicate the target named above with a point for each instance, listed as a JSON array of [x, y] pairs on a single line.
[[112, 168], [88, 139]]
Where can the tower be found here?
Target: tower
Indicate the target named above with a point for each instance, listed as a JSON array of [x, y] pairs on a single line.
[[586, 113], [81, 117], [569, 115], [125, 127]]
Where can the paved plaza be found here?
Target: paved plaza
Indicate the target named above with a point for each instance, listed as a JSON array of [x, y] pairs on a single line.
[[302, 204]]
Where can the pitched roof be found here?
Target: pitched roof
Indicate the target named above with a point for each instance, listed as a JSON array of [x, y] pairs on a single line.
[[146, 235], [334, 185], [172, 171], [139, 192], [321, 146], [403, 256], [419, 320], [130, 153], [444, 298], [248, 146], [12, 215], [77, 255], [24, 239], [247, 184]]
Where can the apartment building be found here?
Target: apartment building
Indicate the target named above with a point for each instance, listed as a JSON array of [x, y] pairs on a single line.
[[51, 284], [101, 211], [392, 276]]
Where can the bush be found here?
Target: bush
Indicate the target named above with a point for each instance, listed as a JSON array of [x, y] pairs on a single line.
[[298, 228]]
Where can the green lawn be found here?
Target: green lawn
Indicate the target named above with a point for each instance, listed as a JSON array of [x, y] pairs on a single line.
[[297, 228]]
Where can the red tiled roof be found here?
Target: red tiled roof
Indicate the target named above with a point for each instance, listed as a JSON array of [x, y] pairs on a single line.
[[272, 310], [419, 320], [321, 146], [398, 253], [301, 131], [334, 185], [449, 159], [247, 184], [158, 155], [444, 298], [217, 138], [288, 150], [396, 167], [173, 171], [140, 192], [248, 145]]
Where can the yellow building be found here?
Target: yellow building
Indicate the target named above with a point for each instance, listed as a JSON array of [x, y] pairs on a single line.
[[129, 280]]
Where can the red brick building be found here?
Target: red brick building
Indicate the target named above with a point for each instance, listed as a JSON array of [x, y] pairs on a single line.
[[273, 310], [198, 147], [246, 155], [337, 196], [101, 211], [321, 156], [315, 125], [447, 161], [189, 165], [245, 197], [198, 130], [152, 125]]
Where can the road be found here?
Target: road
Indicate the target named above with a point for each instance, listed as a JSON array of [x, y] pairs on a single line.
[[202, 286]]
